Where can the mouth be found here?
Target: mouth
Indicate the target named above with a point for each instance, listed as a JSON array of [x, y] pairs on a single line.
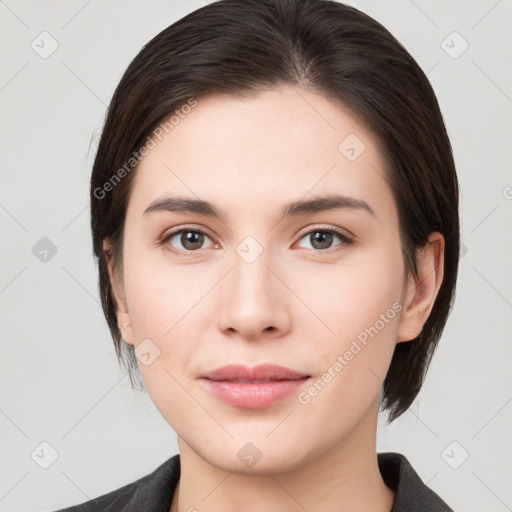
[[253, 394], [254, 388], [240, 381], [259, 373]]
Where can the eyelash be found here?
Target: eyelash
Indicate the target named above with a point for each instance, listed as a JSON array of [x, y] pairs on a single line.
[[346, 240]]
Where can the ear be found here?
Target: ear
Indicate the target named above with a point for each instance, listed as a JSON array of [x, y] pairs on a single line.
[[117, 287], [420, 293]]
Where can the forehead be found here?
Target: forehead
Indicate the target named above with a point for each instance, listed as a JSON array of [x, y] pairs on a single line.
[[279, 145]]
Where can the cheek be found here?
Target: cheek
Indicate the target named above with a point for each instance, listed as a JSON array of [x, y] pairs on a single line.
[[163, 309], [360, 305], [350, 296], [167, 306], [160, 294]]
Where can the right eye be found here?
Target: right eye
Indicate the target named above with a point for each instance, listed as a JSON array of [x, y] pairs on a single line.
[[190, 239]]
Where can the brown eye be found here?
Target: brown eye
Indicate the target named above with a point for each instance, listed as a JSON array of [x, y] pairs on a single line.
[[191, 240], [186, 240], [322, 239]]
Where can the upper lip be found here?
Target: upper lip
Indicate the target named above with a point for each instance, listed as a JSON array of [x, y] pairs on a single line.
[[259, 372]]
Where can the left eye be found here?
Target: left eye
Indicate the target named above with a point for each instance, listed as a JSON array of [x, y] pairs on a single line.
[[190, 239], [321, 239]]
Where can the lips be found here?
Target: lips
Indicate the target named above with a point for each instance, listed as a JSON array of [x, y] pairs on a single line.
[[260, 373], [253, 388]]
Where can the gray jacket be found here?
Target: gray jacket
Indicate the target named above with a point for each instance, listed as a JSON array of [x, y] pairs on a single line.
[[154, 492]]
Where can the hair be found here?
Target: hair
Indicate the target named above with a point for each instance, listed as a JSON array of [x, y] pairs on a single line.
[[243, 47]]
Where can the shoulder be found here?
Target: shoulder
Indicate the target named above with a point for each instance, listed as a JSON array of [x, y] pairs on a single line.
[[411, 494], [152, 493]]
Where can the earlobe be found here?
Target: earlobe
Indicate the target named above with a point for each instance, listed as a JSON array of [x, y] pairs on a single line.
[[122, 314], [421, 291], [126, 331]]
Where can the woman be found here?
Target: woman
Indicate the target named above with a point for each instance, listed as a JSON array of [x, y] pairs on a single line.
[[275, 215]]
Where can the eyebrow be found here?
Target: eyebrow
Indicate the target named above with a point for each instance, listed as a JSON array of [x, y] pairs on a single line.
[[181, 204]]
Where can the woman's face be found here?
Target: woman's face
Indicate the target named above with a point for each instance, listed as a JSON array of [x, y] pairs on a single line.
[[259, 287]]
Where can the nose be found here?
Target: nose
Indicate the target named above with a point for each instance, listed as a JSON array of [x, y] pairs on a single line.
[[254, 302]]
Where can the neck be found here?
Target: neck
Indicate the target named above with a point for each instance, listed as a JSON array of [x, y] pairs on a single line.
[[345, 477]]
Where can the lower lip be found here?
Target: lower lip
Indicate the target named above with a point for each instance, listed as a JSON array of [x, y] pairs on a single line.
[[253, 396]]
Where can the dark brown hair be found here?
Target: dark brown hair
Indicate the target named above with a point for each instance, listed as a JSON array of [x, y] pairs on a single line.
[[242, 47]]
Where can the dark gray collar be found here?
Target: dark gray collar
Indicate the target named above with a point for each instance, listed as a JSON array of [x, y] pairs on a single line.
[[154, 492], [411, 494]]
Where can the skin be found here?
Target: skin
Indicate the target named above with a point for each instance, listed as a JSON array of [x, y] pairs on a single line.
[[249, 157]]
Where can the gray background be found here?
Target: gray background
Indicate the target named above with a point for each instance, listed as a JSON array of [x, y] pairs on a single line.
[[59, 379]]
